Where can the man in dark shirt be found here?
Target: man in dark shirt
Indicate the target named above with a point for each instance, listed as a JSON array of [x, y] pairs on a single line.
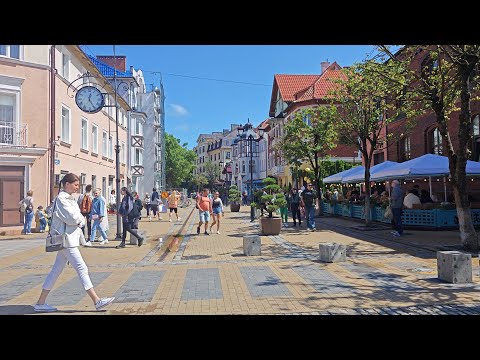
[[396, 204], [309, 197]]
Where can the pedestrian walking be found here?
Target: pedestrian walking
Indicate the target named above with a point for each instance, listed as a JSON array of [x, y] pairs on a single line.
[[146, 204], [308, 199], [129, 213], [284, 210], [97, 214], [138, 203], [112, 201], [396, 204], [217, 211], [154, 203], [204, 206], [26, 207], [67, 219], [85, 203], [173, 204], [295, 206]]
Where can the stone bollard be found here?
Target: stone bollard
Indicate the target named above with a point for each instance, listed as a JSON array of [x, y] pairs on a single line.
[[251, 245], [454, 267], [133, 239], [332, 252]]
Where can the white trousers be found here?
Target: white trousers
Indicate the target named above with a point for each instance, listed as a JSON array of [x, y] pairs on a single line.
[[75, 258]]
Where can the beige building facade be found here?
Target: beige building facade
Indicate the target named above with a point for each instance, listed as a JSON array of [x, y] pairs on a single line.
[[83, 144]]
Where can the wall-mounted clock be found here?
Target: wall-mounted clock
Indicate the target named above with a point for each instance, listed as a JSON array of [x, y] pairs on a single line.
[[90, 99]]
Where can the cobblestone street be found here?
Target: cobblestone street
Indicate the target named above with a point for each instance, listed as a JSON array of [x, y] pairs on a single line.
[[186, 273]]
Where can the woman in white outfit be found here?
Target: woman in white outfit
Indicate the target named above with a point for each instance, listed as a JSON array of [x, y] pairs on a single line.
[[67, 219]]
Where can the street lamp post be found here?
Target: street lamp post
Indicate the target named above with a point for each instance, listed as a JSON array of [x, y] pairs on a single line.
[[251, 139]]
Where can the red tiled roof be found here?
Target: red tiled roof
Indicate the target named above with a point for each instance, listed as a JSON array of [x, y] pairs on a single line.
[[320, 88], [289, 85]]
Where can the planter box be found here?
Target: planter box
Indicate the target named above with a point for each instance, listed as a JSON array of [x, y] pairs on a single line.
[[234, 207], [270, 226]]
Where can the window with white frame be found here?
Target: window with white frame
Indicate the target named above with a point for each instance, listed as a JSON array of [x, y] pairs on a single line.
[[122, 153], [11, 51], [110, 147], [84, 135], [227, 155], [94, 139], [65, 125], [138, 157], [7, 119], [83, 183], [66, 66], [138, 127], [104, 143]]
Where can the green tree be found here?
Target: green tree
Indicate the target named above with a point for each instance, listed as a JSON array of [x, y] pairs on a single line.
[[366, 105], [212, 173], [199, 181], [274, 199], [309, 136], [444, 84], [180, 162], [234, 194]]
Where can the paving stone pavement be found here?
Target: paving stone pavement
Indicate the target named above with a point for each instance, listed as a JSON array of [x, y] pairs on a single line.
[[186, 273]]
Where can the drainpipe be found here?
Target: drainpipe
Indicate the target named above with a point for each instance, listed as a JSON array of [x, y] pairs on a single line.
[[52, 121]]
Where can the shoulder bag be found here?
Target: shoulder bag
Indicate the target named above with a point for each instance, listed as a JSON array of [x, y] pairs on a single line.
[[55, 242]]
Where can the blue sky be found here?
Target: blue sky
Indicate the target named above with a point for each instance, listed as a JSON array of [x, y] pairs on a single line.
[[195, 106]]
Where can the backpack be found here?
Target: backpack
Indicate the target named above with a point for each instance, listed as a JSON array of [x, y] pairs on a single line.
[[86, 205], [134, 213]]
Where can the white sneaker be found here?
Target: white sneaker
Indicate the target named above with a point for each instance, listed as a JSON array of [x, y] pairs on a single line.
[[149, 218], [103, 242], [44, 308], [170, 220], [87, 243], [218, 232], [179, 219], [103, 302]]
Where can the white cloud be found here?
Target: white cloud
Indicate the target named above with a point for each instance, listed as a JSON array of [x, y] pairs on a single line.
[[179, 110]]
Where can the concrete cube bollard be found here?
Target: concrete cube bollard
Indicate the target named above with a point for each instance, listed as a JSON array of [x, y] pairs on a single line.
[[332, 252], [251, 245], [133, 239], [454, 267]]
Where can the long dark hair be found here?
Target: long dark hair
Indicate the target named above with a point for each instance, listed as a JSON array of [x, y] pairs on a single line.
[[126, 191], [69, 178]]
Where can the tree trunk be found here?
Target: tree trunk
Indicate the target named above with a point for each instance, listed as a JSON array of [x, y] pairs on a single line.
[[468, 235], [458, 163], [367, 190]]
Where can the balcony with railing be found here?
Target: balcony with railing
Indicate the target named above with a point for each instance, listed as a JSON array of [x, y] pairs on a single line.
[[9, 136]]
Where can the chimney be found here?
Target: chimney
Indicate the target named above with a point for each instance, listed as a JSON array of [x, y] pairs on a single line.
[[121, 61], [324, 65]]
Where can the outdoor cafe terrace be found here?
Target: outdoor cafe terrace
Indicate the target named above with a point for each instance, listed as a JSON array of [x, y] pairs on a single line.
[[429, 171]]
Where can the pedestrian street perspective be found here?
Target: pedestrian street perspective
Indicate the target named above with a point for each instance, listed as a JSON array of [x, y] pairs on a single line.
[[177, 271]]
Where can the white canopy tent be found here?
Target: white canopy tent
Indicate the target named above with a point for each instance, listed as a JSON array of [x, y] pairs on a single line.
[[426, 165], [360, 177], [423, 166], [338, 178]]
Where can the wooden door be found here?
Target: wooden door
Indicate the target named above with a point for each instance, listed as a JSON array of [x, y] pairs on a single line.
[[11, 192]]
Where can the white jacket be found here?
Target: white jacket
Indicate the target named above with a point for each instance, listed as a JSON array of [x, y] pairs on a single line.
[[67, 219], [104, 223]]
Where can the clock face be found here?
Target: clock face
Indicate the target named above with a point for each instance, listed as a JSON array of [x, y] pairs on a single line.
[[89, 99]]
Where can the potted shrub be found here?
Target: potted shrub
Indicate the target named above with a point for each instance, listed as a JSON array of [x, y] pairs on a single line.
[[271, 202], [234, 198]]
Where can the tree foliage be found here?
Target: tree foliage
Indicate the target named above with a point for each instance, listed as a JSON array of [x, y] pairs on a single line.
[[180, 161], [234, 194], [212, 172], [199, 181], [309, 137], [367, 104], [274, 199], [443, 82]]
